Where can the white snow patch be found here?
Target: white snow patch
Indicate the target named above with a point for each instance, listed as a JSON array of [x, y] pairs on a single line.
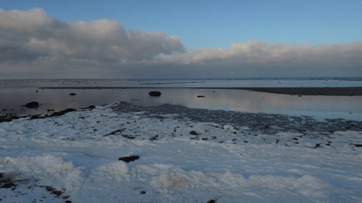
[[78, 153]]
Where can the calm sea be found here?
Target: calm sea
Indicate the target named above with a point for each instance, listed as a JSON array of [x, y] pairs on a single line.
[[15, 93]]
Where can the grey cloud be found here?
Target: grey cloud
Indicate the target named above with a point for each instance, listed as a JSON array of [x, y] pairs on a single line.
[[37, 36], [31, 42]]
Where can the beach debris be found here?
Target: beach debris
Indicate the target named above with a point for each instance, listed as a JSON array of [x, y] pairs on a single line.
[[128, 158], [154, 93], [32, 105]]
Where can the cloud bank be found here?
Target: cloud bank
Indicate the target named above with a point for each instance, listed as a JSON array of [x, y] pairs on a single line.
[[34, 44]]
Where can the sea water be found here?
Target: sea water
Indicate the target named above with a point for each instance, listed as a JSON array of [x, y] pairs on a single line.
[[54, 95]]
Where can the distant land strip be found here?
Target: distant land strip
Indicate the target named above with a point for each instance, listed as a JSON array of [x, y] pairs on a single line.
[[315, 91]]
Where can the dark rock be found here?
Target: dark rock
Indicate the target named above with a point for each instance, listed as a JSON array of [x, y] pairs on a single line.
[[129, 158], [154, 93], [193, 132], [32, 105], [200, 96], [128, 136], [72, 94], [54, 191], [143, 192], [8, 117], [358, 145], [211, 201], [8, 185]]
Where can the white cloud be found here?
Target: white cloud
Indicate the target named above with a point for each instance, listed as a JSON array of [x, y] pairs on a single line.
[[258, 53]]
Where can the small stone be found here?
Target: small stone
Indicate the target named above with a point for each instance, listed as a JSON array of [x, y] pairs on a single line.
[[154, 93], [193, 132], [72, 94], [128, 158]]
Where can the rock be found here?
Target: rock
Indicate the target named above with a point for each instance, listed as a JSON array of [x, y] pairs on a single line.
[[32, 105], [54, 191], [8, 185], [211, 201], [8, 117], [200, 96], [128, 158], [72, 94], [154, 93], [193, 133]]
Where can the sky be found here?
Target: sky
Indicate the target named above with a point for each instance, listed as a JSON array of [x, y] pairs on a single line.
[[163, 38]]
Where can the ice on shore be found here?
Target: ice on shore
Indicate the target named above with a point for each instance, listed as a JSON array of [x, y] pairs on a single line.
[[74, 157]]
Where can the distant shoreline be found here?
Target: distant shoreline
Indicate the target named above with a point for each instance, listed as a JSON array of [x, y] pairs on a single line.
[[306, 91]]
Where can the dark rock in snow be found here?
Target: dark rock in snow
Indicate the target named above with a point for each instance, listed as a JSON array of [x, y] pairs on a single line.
[[154, 93], [32, 105], [8, 117], [129, 158], [54, 191], [193, 133]]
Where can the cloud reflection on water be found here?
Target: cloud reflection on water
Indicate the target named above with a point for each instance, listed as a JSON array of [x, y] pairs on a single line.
[[230, 100]]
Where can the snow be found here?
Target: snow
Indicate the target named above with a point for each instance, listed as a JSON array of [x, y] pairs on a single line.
[[74, 157]]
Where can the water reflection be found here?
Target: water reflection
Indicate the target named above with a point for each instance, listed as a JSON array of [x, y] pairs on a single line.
[[234, 100]]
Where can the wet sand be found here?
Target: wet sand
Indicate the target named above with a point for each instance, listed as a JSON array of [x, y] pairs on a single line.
[[315, 91]]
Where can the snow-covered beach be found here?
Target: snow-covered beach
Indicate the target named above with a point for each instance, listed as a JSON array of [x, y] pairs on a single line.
[[184, 155]]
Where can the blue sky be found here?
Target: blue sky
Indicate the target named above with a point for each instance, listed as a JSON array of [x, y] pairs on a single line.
[[164, 38], [211, 23]]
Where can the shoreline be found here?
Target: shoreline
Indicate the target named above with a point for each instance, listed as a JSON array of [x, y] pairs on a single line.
[[301, 91]]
